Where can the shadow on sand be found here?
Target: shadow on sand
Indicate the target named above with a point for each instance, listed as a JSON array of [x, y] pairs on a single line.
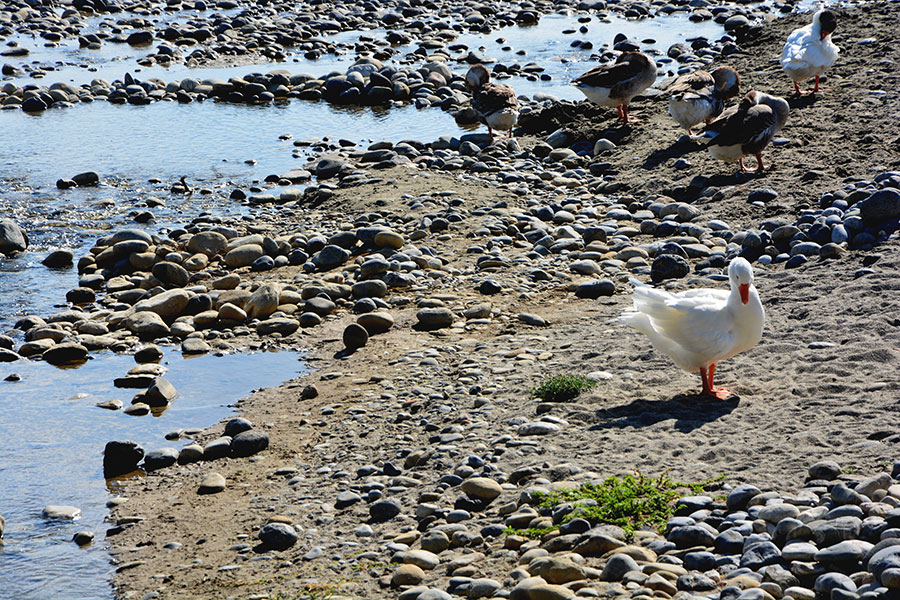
[[689, 411]]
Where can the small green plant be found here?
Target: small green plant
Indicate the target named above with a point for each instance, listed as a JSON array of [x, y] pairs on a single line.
[[630, 502], [560, 388]]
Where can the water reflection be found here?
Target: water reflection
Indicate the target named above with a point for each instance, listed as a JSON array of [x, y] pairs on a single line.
[[51, 453]]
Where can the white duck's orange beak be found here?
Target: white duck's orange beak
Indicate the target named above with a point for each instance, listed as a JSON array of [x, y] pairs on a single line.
[[823, 35], [744, 289]]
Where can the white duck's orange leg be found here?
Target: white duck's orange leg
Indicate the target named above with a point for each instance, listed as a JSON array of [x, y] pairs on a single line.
[[816, 87], [709, 388], [797, 89]]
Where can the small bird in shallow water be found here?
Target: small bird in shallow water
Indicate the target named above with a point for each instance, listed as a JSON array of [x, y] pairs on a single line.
[[746, 128], [616, 84], [495, 103], [699, 95], [809, 50], [699, 328]]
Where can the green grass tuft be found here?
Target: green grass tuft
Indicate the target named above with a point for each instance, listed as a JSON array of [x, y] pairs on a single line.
[[630, 502], [560, 388]]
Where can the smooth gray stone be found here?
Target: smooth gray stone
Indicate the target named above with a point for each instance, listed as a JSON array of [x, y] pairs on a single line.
[[846, 551], [248, 443], [278, 536], [217, 448], [385, 510], [688, 536], [160, 459], [830, 581], [617, 566], [760, 555]]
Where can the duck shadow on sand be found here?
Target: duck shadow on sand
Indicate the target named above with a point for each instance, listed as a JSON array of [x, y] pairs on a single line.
[[677, 149], [689, 411]]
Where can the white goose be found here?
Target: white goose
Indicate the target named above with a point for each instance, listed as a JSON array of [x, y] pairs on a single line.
[[698, 328], [808, 51]]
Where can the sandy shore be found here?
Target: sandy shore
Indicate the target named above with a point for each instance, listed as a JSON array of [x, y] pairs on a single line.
[[822, 384]]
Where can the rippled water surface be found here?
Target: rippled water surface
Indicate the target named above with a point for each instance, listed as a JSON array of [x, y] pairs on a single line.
[[51, 444]]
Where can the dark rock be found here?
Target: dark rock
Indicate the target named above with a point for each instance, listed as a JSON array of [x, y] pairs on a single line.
[[595, 289], [385, 510], [278, 536], [355, 336], [67, 353], [248, 443], [160, 394], [86, 179], [120, 458], [160, 459], [669, 266], [883, 205], [236, 426], [12, 237], [59, 259]]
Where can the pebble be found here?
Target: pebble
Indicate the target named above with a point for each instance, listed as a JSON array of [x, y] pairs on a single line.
[[212, 483]]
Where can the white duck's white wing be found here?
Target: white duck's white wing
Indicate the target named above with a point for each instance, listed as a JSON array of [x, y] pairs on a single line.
[[693, 328], [795, 44], [805, 49]]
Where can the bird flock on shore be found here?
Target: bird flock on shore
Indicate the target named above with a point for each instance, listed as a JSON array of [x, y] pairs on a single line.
[[697, 328], [730, 134]]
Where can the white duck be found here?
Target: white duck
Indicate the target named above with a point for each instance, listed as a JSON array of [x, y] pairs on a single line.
[[808, 51], [698, 328]]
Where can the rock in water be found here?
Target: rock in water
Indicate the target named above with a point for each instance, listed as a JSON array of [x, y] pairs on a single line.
[[120, 458], [60, 512], [67, 353], [83, 538], [59, 259], [12, 237]]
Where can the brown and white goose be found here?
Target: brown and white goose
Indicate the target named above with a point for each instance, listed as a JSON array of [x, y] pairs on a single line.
[[495, 103], [700, 95], [746, 128], [616, 84]]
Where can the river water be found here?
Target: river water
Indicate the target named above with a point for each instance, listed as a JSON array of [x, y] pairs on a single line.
[[51, 434]]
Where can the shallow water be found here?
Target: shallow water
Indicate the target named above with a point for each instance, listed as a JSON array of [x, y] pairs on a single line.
[[51, 453]]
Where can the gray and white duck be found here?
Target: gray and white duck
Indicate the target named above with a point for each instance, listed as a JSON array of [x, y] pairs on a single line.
[[495, 103], [746, 128], [616, 84], [699, 96]]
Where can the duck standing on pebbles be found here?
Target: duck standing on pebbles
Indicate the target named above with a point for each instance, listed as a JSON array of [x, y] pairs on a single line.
[[808, 51], [746, 128], [495, 103], [699, 328], [616, 84], [700, 96]]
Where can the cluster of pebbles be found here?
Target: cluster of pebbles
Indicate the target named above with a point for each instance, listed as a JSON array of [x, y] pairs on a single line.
[[196, 287], [836, 538]]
